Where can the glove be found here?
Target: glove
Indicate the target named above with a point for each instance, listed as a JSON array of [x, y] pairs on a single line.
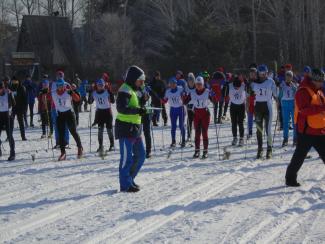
[[142, 111]]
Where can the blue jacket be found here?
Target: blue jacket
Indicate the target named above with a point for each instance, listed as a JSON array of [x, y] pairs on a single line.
[[31, 91], [83, 88]]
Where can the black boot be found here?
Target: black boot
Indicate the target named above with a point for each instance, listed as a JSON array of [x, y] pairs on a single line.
[[100, 149], [12, 156], [292, 183], [269, 153], [205, 154], [111, 148], [196, 154], [285, 143], [0, 151], [148, 154], [173, 144], [259, 153], [133, 189]]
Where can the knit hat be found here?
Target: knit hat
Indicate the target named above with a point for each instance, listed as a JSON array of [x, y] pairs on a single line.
[[172, 80], [60, 82], [289, 73], [191, 77], [100, 82], [318, 75], [262, 68], [219, 76], [133, 74], [288, 66], [307, 69], [199, 80]]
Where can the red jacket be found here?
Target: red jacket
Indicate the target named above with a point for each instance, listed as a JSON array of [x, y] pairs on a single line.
[[303, 102], [216, 88], [42, 99]]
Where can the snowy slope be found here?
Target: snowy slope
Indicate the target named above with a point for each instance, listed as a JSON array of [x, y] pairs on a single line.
[[240, 200]]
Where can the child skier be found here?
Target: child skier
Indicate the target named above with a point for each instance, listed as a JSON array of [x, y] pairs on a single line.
[[264, 88], [63, 103], [200, 99], [174, 96], [44, 108], [287, 97], [103, 116], [189, 106], [237, 95], [6, 101]]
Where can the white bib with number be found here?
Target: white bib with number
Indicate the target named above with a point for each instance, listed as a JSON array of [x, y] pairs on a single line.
[[175, 98], [237, 96], [264, 91], [200, 101], [62, 102], [102, 100], [4, 106], [288, 92]]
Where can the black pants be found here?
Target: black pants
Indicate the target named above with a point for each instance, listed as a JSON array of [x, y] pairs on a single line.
[[263, 116], [63, 119], [280, 115], [76, 112], [46, 121], [104, 118], [190, 119], [5, 124], [20, 118], [217, 111], [31, 114], [146, 131], [225, 109], [237, 114], [304, 144], [164, 114]]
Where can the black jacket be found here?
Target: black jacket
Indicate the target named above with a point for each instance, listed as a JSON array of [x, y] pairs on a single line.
[[20, 96], [158, 89]]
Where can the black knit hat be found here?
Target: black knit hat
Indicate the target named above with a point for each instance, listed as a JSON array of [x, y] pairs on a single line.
[[317, 75], [219, 76], [133, 74]]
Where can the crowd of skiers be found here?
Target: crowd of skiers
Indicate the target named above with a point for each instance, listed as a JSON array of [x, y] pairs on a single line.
[[141, 103]]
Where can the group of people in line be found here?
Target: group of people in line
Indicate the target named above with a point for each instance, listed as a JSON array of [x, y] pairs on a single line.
[[141, 102]]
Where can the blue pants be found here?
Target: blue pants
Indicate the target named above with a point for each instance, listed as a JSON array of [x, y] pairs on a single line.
[[250, 120], [132, 158], [177, 113], [54, 116], [287, 107]]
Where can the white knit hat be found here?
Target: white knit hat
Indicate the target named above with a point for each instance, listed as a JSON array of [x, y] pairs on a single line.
[[199, 80]]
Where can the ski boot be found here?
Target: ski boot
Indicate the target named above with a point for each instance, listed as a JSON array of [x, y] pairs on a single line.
[[292, 183], [259, 153], [241, 142], [148, 154], [249, 136], [234, 141], [80, 152], [111, 148], [133, 189], [205, 154], [285, 143], [62, 157], [269, 153], [100, 149], [43, 136], [0, 151], [12, 156], [183, 144], [196, 154], [173, 144], [24, 139]]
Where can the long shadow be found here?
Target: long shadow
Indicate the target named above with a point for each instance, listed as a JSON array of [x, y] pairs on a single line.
[[198, 206], [9, 209]]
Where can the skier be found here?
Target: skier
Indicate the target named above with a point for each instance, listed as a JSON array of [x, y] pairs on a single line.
[[128, 129], [6, 101], [103, 116], [286, 98], [225, 94], [83, 89], [62, 99], [180, 79], [264, 88], [237, 95], [189, 106], [250, 101], [158, 87], [54, 113], [19, 107], [31, 91], [200, 98], [310, 122], [216, 85], [174, 96], [44, 108]]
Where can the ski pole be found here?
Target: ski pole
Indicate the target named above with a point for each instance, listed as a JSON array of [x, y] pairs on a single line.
[[152, 135], [217, 134], [90, 125], [48, 124]]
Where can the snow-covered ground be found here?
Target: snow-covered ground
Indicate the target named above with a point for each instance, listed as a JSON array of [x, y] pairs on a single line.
[[240, 200]]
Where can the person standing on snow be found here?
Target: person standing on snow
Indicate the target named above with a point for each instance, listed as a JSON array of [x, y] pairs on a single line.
[[200, 98], [6, 101], [19, 108], [310, 122], [174, 96], [250, 101], [237, 96], [216, 85], [31, 90], [62, 99], [189, 106], [128, 129], [83, 90], [264, 89], [44, 108], [103, 97], [286, 98]]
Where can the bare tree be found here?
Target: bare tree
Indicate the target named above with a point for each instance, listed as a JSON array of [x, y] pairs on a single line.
[[16, 9]]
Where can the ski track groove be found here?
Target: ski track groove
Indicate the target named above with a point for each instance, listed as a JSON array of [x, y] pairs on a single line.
[[273, 233], [146, 226]]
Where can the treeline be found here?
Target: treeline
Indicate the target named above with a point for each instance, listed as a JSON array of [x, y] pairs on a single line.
[[192, 35]]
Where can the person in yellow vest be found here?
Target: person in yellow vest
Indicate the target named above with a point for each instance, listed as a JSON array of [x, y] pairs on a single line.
[[128, 129], [310, 123]]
